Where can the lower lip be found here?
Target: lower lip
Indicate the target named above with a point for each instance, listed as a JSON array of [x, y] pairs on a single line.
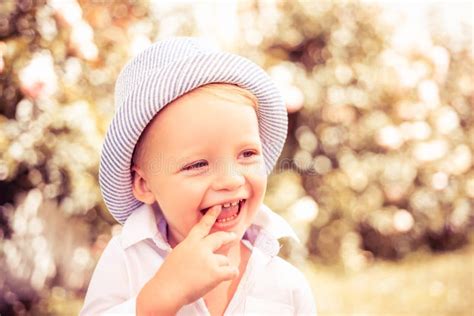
[[231, 223]]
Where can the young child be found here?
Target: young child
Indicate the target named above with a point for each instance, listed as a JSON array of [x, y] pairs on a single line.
[[184, 167]]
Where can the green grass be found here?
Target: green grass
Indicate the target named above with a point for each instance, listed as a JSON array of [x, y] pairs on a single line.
[[422, 284]]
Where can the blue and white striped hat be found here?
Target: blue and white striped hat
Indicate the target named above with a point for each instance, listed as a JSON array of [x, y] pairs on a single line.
[[162, 73]]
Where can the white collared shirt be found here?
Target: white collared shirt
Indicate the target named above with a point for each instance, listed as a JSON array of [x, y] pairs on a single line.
[[269, 285]]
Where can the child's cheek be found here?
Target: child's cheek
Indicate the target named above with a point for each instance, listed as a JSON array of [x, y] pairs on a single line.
[[260, 185]]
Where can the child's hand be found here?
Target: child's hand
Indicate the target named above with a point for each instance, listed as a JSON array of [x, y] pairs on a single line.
[[191, 269]]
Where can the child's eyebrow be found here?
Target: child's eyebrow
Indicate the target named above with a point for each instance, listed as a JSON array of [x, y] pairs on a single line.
[[187, 158], [250, 143], [190, 155]]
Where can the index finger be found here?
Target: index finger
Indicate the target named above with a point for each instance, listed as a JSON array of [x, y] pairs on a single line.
[[203, 227]]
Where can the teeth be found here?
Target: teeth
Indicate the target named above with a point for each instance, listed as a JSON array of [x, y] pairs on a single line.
[[224, 220], [227, 219], [227, 205]]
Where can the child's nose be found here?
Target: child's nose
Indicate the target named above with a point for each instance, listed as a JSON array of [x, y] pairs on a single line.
[[228, 178]]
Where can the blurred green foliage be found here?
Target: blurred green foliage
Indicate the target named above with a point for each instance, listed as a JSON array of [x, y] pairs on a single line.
[[383, 141], [379, 156]]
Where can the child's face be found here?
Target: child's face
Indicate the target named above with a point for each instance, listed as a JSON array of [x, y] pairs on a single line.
[[203, 150]]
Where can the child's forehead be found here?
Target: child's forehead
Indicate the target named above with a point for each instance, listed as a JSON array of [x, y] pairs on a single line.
[[207, 112], [201, 119], [205, 103], [221, 91], [207, 116]]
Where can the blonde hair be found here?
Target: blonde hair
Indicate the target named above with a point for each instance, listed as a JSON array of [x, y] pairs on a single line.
[[227, 91]]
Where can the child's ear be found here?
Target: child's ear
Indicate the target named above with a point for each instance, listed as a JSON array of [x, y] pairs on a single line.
[[140, 187]]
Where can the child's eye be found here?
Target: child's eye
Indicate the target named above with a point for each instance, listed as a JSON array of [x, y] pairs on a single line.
[[197, 165], [249, 153]]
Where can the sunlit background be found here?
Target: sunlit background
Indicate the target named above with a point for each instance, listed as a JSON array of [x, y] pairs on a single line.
[[377, 174]]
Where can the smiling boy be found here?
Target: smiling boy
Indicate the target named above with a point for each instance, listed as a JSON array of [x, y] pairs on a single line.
[[184, 167], [213, 157]]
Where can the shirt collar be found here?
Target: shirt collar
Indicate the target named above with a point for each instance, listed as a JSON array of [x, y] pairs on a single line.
[[266, 229]]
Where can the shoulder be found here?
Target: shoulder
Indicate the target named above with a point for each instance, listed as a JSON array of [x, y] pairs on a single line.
[[289, 271], [279, 270], [112, 253], [302, 294], [287, 283], [114, 246]]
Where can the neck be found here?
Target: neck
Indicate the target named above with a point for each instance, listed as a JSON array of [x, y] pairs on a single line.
[[235, 252]]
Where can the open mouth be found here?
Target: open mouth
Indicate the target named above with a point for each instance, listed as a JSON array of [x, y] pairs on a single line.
[[230, 211]]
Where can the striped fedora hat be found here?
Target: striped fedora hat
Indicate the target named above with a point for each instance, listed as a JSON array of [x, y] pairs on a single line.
[[162, 73]]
